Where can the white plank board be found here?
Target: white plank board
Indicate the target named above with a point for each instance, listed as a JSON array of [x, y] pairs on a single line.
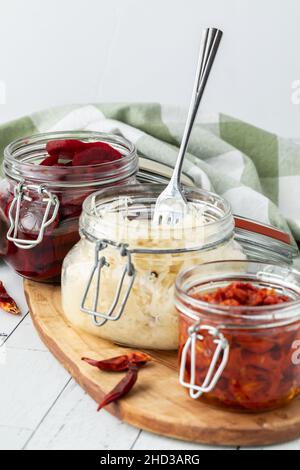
[[26, 337], [14, 285], [13, 438], [149, 441], [30, 383], [73, 423]]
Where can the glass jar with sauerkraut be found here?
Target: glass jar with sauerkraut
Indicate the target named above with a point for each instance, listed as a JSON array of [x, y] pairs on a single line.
[[118, 281]]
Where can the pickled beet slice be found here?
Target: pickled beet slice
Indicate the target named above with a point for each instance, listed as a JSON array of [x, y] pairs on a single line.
[[82, 153], [53, 160], [65, 147], [50, 161], [96, 155], [105, 147], [63, 164]]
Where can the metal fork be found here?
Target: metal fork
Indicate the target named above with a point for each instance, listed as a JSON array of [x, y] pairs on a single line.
[[171, 204]]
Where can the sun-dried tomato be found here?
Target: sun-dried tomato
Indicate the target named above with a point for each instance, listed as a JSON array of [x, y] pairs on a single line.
[[242, 294]]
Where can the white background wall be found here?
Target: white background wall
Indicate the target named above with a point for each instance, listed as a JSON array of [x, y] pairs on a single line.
[[69, 51]]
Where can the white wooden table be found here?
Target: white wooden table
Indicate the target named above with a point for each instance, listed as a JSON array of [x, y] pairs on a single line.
[[42, 407]]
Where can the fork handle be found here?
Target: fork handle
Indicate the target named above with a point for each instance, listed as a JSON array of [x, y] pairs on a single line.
[[211, 38]]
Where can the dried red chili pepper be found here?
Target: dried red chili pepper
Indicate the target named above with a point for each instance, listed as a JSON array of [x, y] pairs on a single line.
[[139, 358], [115, 364], [6, 302], [122, 388], [120, 363]]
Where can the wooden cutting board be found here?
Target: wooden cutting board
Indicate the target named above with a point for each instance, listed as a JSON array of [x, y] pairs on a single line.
[[157, 403]]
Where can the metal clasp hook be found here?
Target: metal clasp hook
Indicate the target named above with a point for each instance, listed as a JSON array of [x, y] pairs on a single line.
[[100, 263], [19, 195], [213, 374]]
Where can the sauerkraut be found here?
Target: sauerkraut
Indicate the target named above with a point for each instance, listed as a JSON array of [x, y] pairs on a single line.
[[149, 319]]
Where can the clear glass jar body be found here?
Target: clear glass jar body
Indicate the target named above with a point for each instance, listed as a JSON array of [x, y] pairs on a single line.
[[258, 368], [148, 319], [69, 185]]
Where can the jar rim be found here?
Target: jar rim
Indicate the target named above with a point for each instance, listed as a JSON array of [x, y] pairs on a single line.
[[258, 313], [89, 203], [147, 194], [14, 167]]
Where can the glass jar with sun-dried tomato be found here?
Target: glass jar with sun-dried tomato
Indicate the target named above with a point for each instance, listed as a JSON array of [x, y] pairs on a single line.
[[240, 334], [48, 176]]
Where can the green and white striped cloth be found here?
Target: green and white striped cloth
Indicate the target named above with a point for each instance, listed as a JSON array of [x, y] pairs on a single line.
[[256, 171]]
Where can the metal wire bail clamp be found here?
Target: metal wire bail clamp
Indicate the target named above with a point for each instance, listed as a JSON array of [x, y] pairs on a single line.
[[19, 194], [100, 263], [213, 374]]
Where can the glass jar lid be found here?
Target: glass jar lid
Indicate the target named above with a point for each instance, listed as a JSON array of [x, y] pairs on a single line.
[[264, 242], [23, 156], [259, 240], [208, 277]]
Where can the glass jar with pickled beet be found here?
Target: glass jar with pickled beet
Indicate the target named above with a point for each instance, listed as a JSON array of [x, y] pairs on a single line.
[[47, 178], [240, 334]]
